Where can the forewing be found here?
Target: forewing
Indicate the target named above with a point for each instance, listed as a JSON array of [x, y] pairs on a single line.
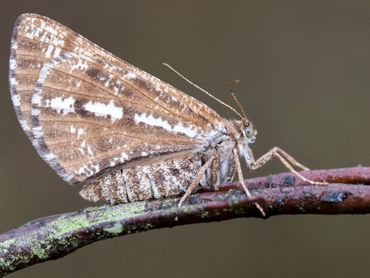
[[81, 127], [86, 110], [37, 39]]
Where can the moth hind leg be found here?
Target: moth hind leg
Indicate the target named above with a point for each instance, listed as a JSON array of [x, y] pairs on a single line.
[[197, 179], [215, 169]]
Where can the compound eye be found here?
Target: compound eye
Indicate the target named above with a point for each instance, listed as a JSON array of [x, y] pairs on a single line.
[[249, 132]]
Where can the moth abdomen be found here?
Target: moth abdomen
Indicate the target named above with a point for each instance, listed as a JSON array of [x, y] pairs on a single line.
[[142, 182]]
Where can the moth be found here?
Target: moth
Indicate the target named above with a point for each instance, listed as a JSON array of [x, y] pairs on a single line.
[[120, 132]]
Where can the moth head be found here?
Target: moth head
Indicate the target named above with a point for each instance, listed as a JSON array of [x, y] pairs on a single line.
[[247, 136], [249, 132]]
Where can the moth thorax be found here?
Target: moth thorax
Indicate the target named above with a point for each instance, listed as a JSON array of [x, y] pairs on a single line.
[[246, 152]]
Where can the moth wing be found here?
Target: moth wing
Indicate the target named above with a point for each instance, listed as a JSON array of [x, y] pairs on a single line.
[[37, 39], [86, 110]]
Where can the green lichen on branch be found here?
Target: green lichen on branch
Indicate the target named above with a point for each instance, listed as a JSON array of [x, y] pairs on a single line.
[[66, 233], [56, 236]]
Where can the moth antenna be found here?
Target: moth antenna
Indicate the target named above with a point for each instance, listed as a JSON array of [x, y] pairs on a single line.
[[231, 91], [204, 91]]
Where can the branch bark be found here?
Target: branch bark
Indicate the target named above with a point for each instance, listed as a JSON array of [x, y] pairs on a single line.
[[53, 237]]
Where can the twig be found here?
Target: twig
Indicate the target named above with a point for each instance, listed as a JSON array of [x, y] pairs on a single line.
[[56, 236]]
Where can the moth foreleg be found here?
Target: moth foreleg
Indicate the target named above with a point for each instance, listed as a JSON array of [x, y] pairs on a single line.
[[197, 179], [284, 158], [288, 157], [241, 180]]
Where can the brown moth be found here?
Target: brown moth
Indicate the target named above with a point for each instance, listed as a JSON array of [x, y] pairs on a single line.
[[120, 132]]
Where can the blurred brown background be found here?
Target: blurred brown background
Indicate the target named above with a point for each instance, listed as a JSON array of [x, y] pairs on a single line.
[[305, 67]]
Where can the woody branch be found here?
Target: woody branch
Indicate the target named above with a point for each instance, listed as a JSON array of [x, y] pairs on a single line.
[[56, 236]]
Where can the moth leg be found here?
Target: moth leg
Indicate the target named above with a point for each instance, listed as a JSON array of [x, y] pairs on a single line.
[[288, 157], [215, 169], [197, 179], [285, 159], [241, 180]]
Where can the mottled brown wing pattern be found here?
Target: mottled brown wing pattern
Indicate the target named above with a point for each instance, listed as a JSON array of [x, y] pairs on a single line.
[[37, 40], [81, 126], [87, 111]]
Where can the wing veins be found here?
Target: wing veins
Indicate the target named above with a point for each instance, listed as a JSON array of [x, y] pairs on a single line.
[[95, 62], [116, 97], [80, 43], [110, 128], [120, 61], [108, 134], [109, 153], [86, 95]]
